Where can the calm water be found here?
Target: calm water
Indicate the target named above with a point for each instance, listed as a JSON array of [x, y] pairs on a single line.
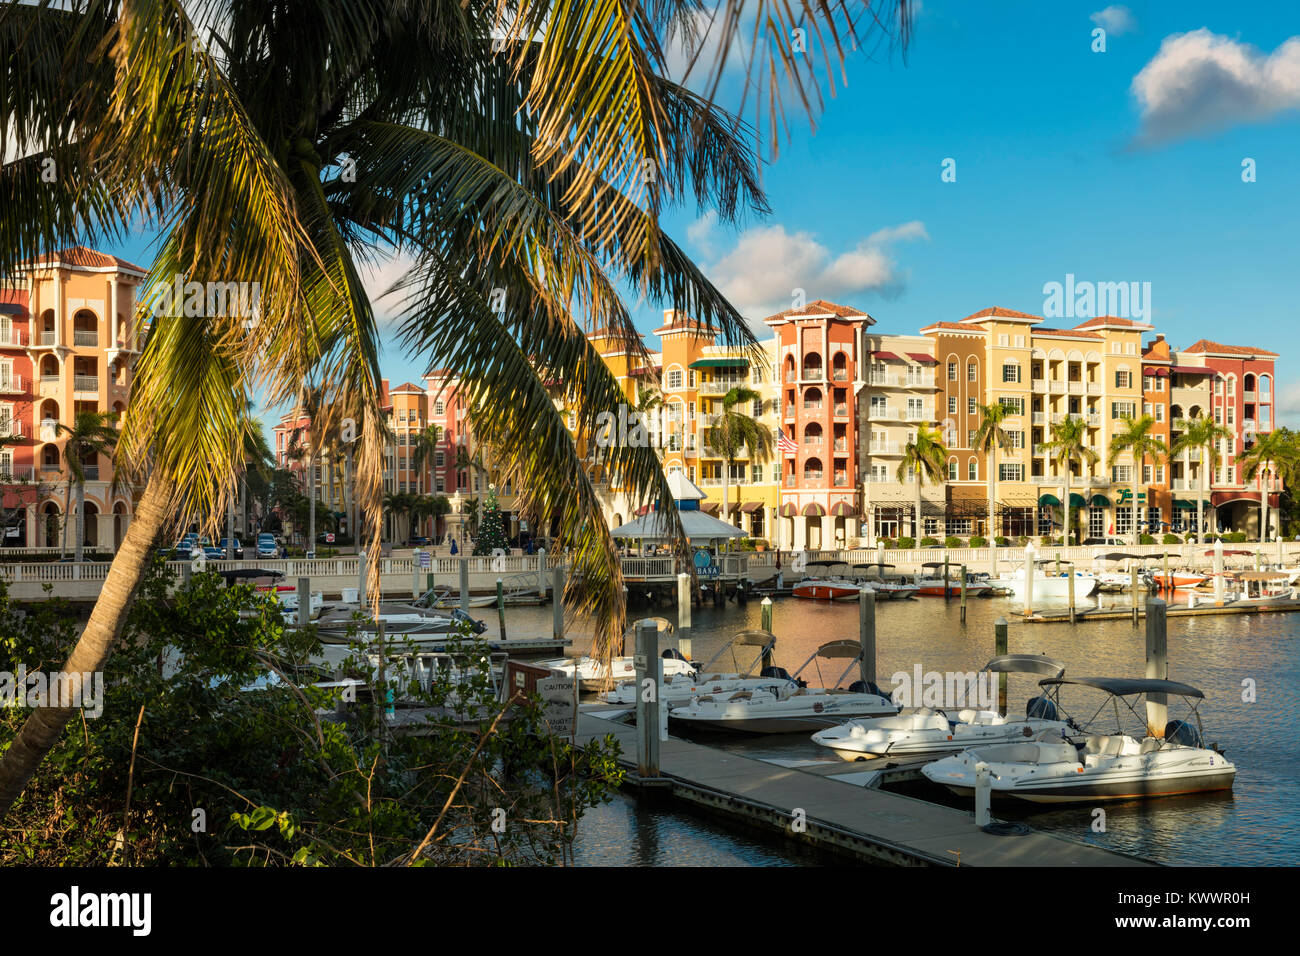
[[1258, 823]]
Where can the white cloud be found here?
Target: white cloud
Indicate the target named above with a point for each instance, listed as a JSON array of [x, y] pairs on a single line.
[[700, 232], [377, 278], [1115, 19], [1201, 81], [767, 263], [1288, 405], [704, 33]]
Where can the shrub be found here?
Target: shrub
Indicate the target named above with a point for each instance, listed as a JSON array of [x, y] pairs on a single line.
[[952, 541], [977, 542], [1001, 542], [1235, 537], [929, 542], [1022, 540], [1171, 539], [888, 543], [907, 542], [1146, 539]]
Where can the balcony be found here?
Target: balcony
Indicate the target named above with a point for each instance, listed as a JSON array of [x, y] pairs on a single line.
[[812, 406], [840, 375], [813, 373], [1076, 387], [918, 381], [11, 338], [1094, 388], [48, 338], [812, 442], [1094, 420], [1057, 386], [916, 416], [1041, 448], [884, 380], [717, 388], [841, 481], [883, 448], [841, 444], [841, 411], [11, 428], [1039, 385], [49, 429], [84, 337], [1040, 418], [18, 473], [812, 477], [91, 472], [11, 385], [85, 383]]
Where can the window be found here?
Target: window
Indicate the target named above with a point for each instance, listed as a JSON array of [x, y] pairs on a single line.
[[1045, 521], [1096, 522], [690, 378], [1232, 414], [757, 376], [1122, 409], [972, 372], [915, 409], [691, 473], [952, 371], [1265, 424], [970, 438], [972, 471], [439, 408], [675, 380], [1020, 341], [1218, 386], [1011, 472], [952, 469], [1123, 379], [1160, 413], [1124, 519], [1004, 340], [439, 459], [1153, 520], [1013, 404], [1218, 414], [1120, 473], [952, 404], [1264, 386], [691, 411], [757, 410], [1232, 385], [1157, 384], [931, 526], [972, 406], [440, 485], [1017, 439], [756, 473], [1011, 372], [959, 526]]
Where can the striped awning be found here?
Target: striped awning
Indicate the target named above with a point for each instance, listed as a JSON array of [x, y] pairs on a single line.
[[813, 510], [842, 509], [788, 510], [749, 507]]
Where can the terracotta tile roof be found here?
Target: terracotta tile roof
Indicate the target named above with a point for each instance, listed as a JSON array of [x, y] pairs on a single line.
[[1069, 333], [1112, 320], [996, 311], [90, 259], [955, 326], [820, 307], [409, 387], [1205, 345]]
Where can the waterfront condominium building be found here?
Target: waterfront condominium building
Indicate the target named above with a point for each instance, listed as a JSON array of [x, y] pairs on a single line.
[[69, 338]]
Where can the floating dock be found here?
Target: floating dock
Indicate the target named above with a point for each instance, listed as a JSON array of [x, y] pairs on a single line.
[[1172, 610], [841, 811]]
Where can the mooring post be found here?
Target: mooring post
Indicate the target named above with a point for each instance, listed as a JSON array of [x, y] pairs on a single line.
[[999, 649], [983, 794], [1029, 580], [1070, 589], [947, 590], [541, 573], [963, 594], [1218, 572], [867, 634], [415, 574], [647, 666], [684, 613], [304, 601], [464, 584], [557, 602], [767, 625], [501, 608], [1167, 583], [362, 567], [1133, 576], [1157, 665]]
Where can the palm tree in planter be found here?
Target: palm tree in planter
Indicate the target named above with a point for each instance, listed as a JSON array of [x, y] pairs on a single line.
[[1069, 447], [735, 430], [924, 456], [1272, 455], [988, 439], [1134, 436], [90, 435], [1202, 434]]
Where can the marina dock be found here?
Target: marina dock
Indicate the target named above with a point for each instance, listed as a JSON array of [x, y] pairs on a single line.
[[841, 813]]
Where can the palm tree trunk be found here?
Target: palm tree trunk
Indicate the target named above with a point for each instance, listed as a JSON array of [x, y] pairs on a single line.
[[916, 515], [347, 496], [993, 486], [1137, 536], [311, 504], [41, 731], [1200, 499], [79, 548], [230, 529], [67, 516]]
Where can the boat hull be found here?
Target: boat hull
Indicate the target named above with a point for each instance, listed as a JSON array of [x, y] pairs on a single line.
[[1135, 789], [822, 591], [1179, 580]]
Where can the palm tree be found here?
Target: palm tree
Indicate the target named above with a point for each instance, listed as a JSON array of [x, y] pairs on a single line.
[[1202, 434], [90, 435], [924, 456], [1069, 447], [1134, 436], [427, 443], [1269, 457], [515, 165], [735, 430], [988, 439], [401, 505]]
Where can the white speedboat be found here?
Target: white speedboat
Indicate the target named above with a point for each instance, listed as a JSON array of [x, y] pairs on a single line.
[[1048, 585], [1112, 766], [1116, 573], [785, 704], [405, 620], [593, 675], [888, 590], [930, 582], [706, 679], [287, 596], [933, 731], [826, 581]]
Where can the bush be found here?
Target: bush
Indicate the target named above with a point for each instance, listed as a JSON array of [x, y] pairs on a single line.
[[1171, 539], [1235, 537], [952, 541], [1022, 540], [1001, 542], [907, 543], [1146, 539], [977, 542], [889, 543], [929, 542], [1047, 541]]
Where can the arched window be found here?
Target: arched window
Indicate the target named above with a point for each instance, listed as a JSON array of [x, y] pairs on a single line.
[[952, 469], [972, 470]]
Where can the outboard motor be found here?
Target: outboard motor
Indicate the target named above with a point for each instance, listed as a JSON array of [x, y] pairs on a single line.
[[477, 626], [673, 654], [1181, 732], [780, 673], [1042, 708]]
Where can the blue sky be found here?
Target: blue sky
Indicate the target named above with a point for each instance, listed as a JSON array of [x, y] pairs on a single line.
[[1117, 166]]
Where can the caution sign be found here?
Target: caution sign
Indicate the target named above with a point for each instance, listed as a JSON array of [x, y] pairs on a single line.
[[559, 704]]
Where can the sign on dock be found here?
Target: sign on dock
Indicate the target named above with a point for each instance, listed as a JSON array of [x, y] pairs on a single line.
[[559, 704]]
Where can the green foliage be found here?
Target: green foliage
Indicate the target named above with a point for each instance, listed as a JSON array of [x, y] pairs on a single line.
[[1171, 539], [1235, 537], [491, 533], [929, 542], [1146, 539], [906, 543], [952, 541], [233, 735], [1001, 542], [889, 543], [978, 542]]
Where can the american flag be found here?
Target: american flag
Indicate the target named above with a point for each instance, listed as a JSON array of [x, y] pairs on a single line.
[[785, 444]]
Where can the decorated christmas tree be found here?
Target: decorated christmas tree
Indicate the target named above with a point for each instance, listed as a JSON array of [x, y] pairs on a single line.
[[491, 530]]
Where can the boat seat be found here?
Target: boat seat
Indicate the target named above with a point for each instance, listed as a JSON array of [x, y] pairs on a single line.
[[740, 695], [1101, 745], [1151, 745], [967, 716]]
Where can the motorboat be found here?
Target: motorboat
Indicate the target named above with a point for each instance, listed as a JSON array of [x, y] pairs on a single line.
[[926, 730], [1177, 579], [406, 621], [593, 674], [786, 704], [891, 590], [931, 583], [1116, 572], [1099, 766], [706, 679], [1048, 585], [821, 582], [1260, 587]]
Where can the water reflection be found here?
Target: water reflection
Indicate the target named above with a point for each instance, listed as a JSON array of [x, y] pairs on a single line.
[[1259, 823]]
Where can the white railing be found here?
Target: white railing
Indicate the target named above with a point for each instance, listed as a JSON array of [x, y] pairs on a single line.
[[11, 337], [48, 338], [17, 473], [13, 428], [1039, 385], [11, 384], [83, 337], [85, 383]]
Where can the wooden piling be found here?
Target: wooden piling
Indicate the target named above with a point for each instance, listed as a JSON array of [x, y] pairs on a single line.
[[963, 594], [464, 585], [1070, 588], [999, 649], [501, 608], [767, 626], [867, 634], [947, 588], [1157, 665], [304, 601], [1133, 576], [648, 666], [557, 602]]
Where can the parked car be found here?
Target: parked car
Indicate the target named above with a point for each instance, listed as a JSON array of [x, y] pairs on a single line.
[[267, 546], [239, 548], [180, 551], [213, 553], [1108, 542]]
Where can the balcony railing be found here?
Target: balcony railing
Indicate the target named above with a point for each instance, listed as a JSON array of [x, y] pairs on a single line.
[[814, 442], [812, 406], [884, 448], [1094, 419], [11, 338], [840, 481], [881, 411], [1094, 388], [1039, 385], [12, 428], [810, 476], [11, 385], [813, 372], [48, 338], [841, 444], [840, 375], [85, 337], [916, 416], [85, 383], [884, 380], [841, 411], [17, 473], [1040, 418]]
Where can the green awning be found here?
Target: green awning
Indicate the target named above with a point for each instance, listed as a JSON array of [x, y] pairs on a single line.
[[1182, 504], [720, 363], [1049, 501], [1099, 501], [1077, 501]]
